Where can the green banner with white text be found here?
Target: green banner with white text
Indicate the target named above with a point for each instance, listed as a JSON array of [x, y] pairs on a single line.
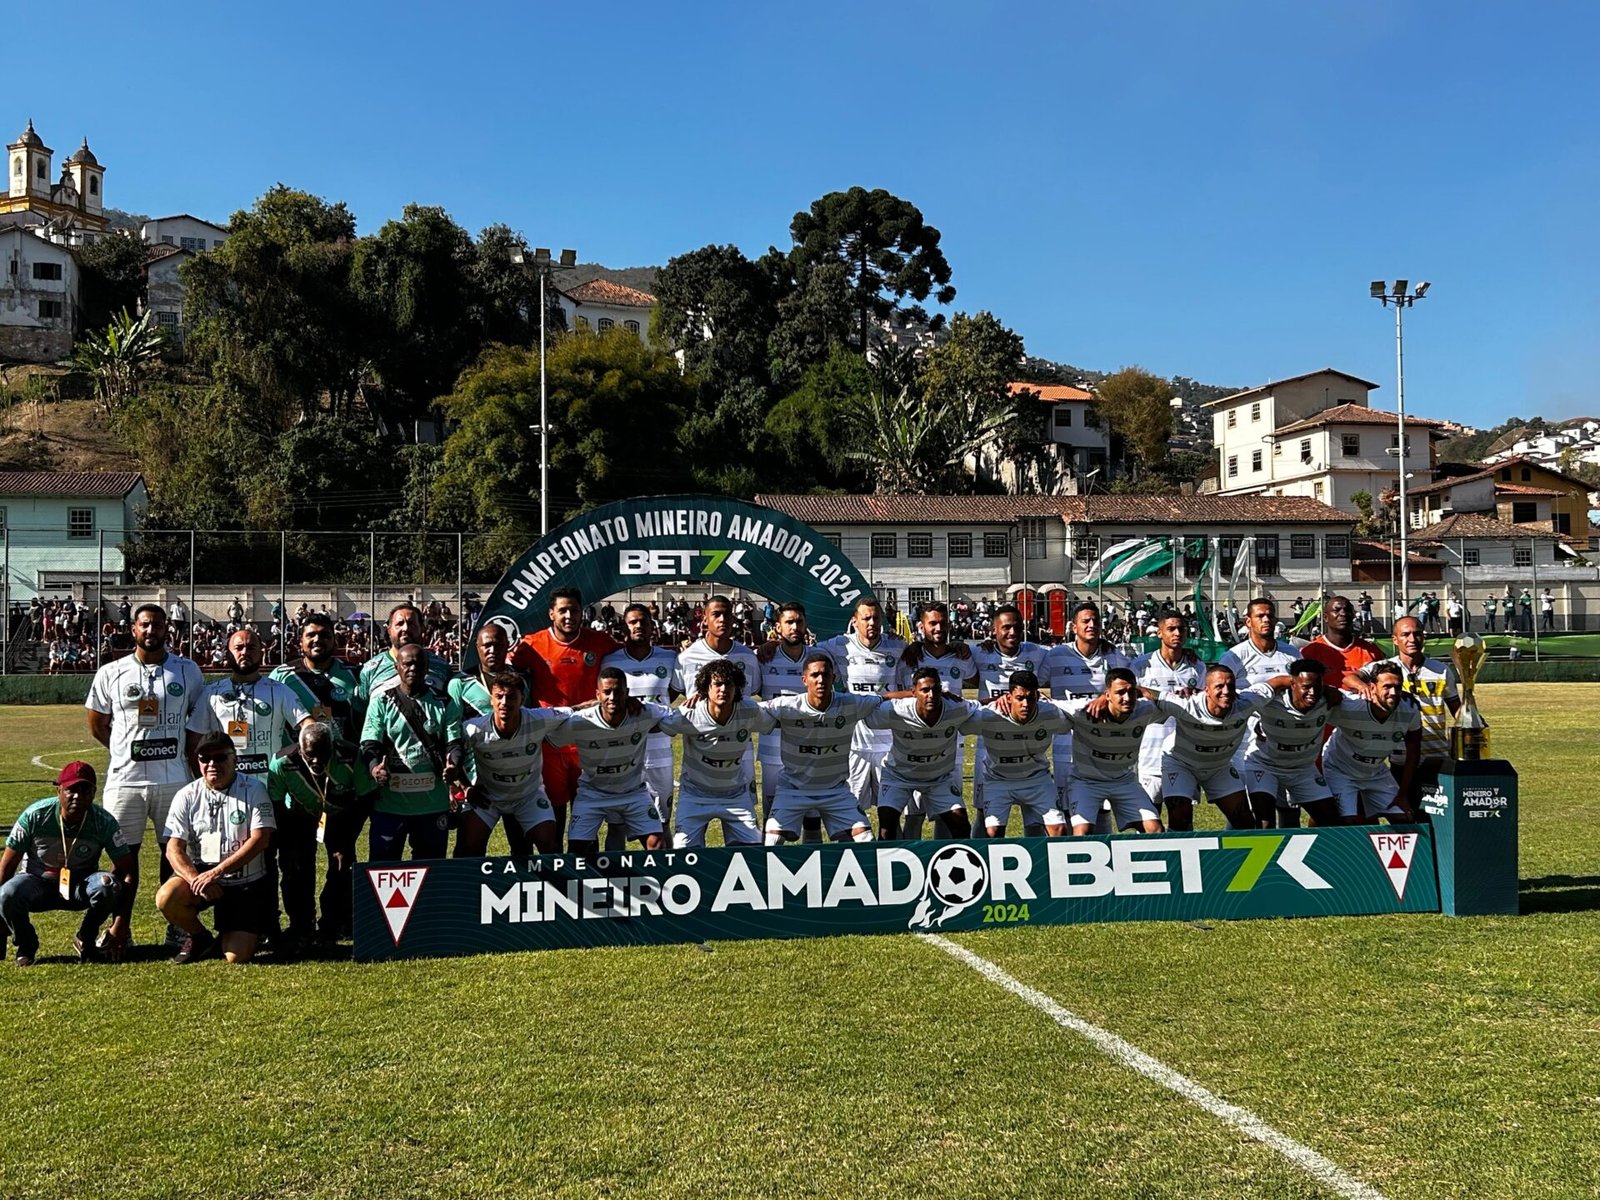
[[491, 905]]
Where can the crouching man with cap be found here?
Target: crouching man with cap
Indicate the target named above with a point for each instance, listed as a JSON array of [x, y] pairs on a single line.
[[62, 838], [217, 831]]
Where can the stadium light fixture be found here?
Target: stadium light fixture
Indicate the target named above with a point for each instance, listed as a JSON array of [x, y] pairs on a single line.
[[1402, 299], [1379, 287], [1400, 287]]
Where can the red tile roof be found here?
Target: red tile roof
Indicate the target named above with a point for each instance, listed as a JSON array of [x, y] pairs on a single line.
[[1522, 489], [1162, 510], [1477, 526], [68, 483], [1051, 393], [1493, 469], [603, 291], [1354, 414], [1367, 551], [1267, 387]]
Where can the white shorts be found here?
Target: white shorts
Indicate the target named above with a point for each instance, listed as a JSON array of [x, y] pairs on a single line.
[[770, 755], [840, 811], [1289, 786], [635, 814], [136, 804], [918, 798], [527, 810], [980, 759], [1130, 803], [658, 782], [866, 768], [1186, 783], [1036, 796], [696, 812], [1376, 796]]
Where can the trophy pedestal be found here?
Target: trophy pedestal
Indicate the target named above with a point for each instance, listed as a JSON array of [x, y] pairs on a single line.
[[1474, 818]]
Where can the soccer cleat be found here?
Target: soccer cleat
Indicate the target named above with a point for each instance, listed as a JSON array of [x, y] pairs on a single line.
[[194, 949]]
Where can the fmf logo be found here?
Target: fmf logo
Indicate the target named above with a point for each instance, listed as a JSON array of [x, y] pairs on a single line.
[[679, 562], [397, 895]]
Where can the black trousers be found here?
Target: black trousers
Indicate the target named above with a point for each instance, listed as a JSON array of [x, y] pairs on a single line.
[[296, 842]]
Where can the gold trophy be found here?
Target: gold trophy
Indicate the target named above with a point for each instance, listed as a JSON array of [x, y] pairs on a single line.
[[1469, 732]]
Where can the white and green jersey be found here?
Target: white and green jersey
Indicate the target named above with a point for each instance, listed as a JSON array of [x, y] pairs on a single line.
[[866, 671], [509, 766], [713, 751], [150, 706], [1204, 743], [923, 751], [214, 825], [380, 674], [816, 745], [260, 716], [1251, 666], [1287, 739], [1071, 674], [327, 695], [610, 757], [1156, 673], [781, 676], [1016, 751], [1363, 743], [698, 655], [1105, 749], [654, 678], [995, 667], [38, 835], [955, 673]]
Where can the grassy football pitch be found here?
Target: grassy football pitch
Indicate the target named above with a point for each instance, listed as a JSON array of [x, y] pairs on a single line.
[[1424, 1056]]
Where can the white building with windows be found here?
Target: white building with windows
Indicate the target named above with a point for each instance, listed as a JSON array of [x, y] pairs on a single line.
[[163, 287], [1080, 445], [601, 305], [38, 296], [1316, 435], [67, 528], [184, 231]]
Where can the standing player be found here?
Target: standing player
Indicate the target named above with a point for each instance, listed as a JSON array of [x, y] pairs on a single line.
[[923, 766], [138, 707], [817, 727], [564, 663], [381, 672], [718, 642], [781, 661], [1280, 761], [1368, 732], [1109, 732], [504, 752], [867, 661], [997, 659], [1076, 670], [957, 670], [325, 687], [652, 673], [1168, 670], [1432, 683], [715, 733], [1256, 659], [610, 743], [1337, 647], [1016, 734]]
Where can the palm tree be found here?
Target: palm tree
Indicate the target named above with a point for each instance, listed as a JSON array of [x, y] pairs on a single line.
[[114, 359]]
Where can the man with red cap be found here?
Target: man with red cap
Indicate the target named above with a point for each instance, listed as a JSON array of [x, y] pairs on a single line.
[[57, 842]]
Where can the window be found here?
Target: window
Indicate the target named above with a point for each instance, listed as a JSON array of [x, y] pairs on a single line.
[[50, 310], [1350, 445], [1033, 537], [1063, 417], [889, 596], [94, 185], [1469, 556], [195, 244], [167, 320], [583, 322], [16, 167], [1337, 545], [1522, 556], [1233, 418], [919, 545], [216, 243], [833, 536], [47, 270], [1305, 450], [1255, 460], [1233, 465], [166, 241], [632, 327], [883, 545], [1318, 490], [1255, 411], [606, 323], [1505, 474], [996, 545], [1302, 545], [80, 522], [1227, 554], [1524, 512], [958, 545], [1267, 555], [1194, 557], [920, 596], [39, 170], [1561, 522]]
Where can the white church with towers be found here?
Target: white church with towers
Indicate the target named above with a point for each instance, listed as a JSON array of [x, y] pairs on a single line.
[[70, 209]]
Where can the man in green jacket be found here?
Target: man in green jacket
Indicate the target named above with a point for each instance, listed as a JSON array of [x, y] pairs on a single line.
[[411, 746]]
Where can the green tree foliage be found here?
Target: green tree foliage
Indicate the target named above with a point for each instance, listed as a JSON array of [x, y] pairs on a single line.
[[111, 270], [967, 380], [814, 427], [115, 359], [270, 312], [506, 289], [717, 309], [1135, 406], [886, 249]]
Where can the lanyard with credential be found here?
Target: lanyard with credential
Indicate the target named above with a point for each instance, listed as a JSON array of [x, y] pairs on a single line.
[[65, 878]]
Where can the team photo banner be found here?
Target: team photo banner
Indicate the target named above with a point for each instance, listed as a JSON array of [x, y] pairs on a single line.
[[634, 544], [493, 905]]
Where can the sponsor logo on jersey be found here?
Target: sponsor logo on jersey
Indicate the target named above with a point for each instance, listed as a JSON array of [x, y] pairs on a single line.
[[174, 689]]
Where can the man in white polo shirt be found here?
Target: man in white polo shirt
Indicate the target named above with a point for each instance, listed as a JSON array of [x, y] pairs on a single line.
[[138, 708]]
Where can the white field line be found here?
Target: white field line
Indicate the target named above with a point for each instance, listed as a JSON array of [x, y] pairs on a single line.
[[1324, 1171]]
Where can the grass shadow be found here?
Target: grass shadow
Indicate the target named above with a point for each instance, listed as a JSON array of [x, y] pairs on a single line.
[[1560, 894]]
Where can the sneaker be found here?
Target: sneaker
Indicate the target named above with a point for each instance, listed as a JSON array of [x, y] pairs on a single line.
[[87, 951], [113, 949], [26, 955], [196, 948]]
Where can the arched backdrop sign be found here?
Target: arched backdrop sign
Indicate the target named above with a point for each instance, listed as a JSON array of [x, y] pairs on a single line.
[[653, 540]]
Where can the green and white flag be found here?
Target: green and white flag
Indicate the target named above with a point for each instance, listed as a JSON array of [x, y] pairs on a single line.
[[1129, 560]]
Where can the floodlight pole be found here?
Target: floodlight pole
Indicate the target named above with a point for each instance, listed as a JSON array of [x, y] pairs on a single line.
[[543, 265], [1402, 298]]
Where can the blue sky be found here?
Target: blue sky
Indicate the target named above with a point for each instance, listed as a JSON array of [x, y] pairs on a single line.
[[1203, 189]]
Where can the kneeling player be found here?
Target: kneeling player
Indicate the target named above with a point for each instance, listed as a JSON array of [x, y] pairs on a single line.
[[1368, 731], [505, 762], [816, 729], [922, 771], [716, 733], [610, 741], [1108, 732], [1280, 764], [1017, 730]]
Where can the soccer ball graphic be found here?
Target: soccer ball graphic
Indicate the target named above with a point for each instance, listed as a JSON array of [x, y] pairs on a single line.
[[958, 875]]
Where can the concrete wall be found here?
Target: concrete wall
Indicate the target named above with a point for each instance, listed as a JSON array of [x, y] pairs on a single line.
[[172, 230]]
